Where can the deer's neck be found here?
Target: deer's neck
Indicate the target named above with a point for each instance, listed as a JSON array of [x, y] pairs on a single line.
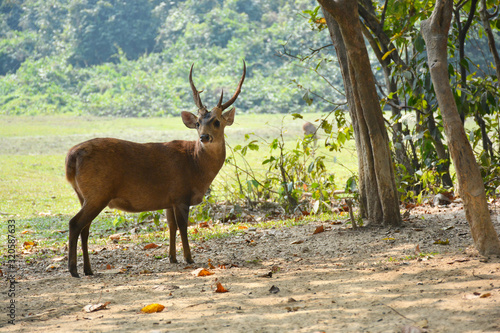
[[209, 158]]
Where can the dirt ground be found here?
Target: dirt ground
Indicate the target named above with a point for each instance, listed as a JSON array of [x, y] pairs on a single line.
[[279, 280]]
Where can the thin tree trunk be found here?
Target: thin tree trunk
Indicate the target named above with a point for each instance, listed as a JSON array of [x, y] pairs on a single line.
[[374, 138], [485, 18], [471, 187]]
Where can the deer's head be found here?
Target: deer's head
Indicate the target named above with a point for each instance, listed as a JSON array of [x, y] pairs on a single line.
[[210, 124]]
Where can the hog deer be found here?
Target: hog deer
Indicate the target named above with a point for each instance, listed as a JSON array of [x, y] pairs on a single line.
[[137, 177]]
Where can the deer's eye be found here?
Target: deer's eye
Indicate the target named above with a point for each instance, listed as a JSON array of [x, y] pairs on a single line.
[[216, 123], [197, 125]]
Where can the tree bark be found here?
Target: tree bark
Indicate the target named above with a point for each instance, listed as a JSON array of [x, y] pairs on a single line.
[[471, 187], [376, 167]]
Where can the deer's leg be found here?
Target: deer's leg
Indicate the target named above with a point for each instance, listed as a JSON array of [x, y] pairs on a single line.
[[79, 222], [172, 228], [86, 261], [181, 216]]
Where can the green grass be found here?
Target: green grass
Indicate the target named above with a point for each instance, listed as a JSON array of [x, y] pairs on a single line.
[[34, 191]]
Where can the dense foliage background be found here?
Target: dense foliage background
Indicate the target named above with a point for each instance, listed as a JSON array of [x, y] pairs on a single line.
[[132, 58]]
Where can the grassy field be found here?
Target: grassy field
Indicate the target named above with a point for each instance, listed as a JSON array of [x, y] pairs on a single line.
[[33, 188]]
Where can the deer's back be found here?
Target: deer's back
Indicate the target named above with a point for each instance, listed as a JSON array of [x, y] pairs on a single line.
[[133, 176]]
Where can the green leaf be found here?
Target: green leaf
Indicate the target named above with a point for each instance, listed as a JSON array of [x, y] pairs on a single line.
[[419, 43], [307, 99]]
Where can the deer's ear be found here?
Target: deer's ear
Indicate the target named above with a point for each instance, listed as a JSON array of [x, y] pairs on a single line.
[[229, 116], [189, 119]]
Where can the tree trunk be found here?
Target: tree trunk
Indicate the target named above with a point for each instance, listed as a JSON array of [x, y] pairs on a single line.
[[374, 157], [491, 40], [471, 187]]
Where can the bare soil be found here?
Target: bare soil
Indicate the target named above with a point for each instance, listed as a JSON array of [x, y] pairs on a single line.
[[339, 280]]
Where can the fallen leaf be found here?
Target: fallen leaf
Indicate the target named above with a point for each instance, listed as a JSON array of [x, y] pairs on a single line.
[[242, 227], [447, 228], [115, 237], [151, 246], [152, 308], [388, 238], [220, 288], [28, 231], [300, 241], [458, 260], [51, 267], [274, 290], [292, 308], [485, 295], [108, 266], [29, 244], [204, 225], [210, 264], [201, 272], [417, 249], [267, 275], [319, 230], [95, 307], [442, 242], [1, 273]]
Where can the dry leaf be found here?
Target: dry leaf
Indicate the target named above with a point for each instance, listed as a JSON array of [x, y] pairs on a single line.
[[442, 242], [152, 308], [1, 273], [220, 288], [201, 272], [29, 244], [300, 241], [151, 246], [210, 264], [458, 260], [485, 295], [28, 231], [292, 308], [388, 238], [242, 227], [417, 249], [274, 290], [115, 237], [267, 275], [95, 307], [319, 230], [204, 225]]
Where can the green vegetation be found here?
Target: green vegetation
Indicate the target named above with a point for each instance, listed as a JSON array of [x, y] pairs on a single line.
[[132, 58]]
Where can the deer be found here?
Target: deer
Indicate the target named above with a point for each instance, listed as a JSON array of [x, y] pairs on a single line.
[[137, 177], [310, 132]]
